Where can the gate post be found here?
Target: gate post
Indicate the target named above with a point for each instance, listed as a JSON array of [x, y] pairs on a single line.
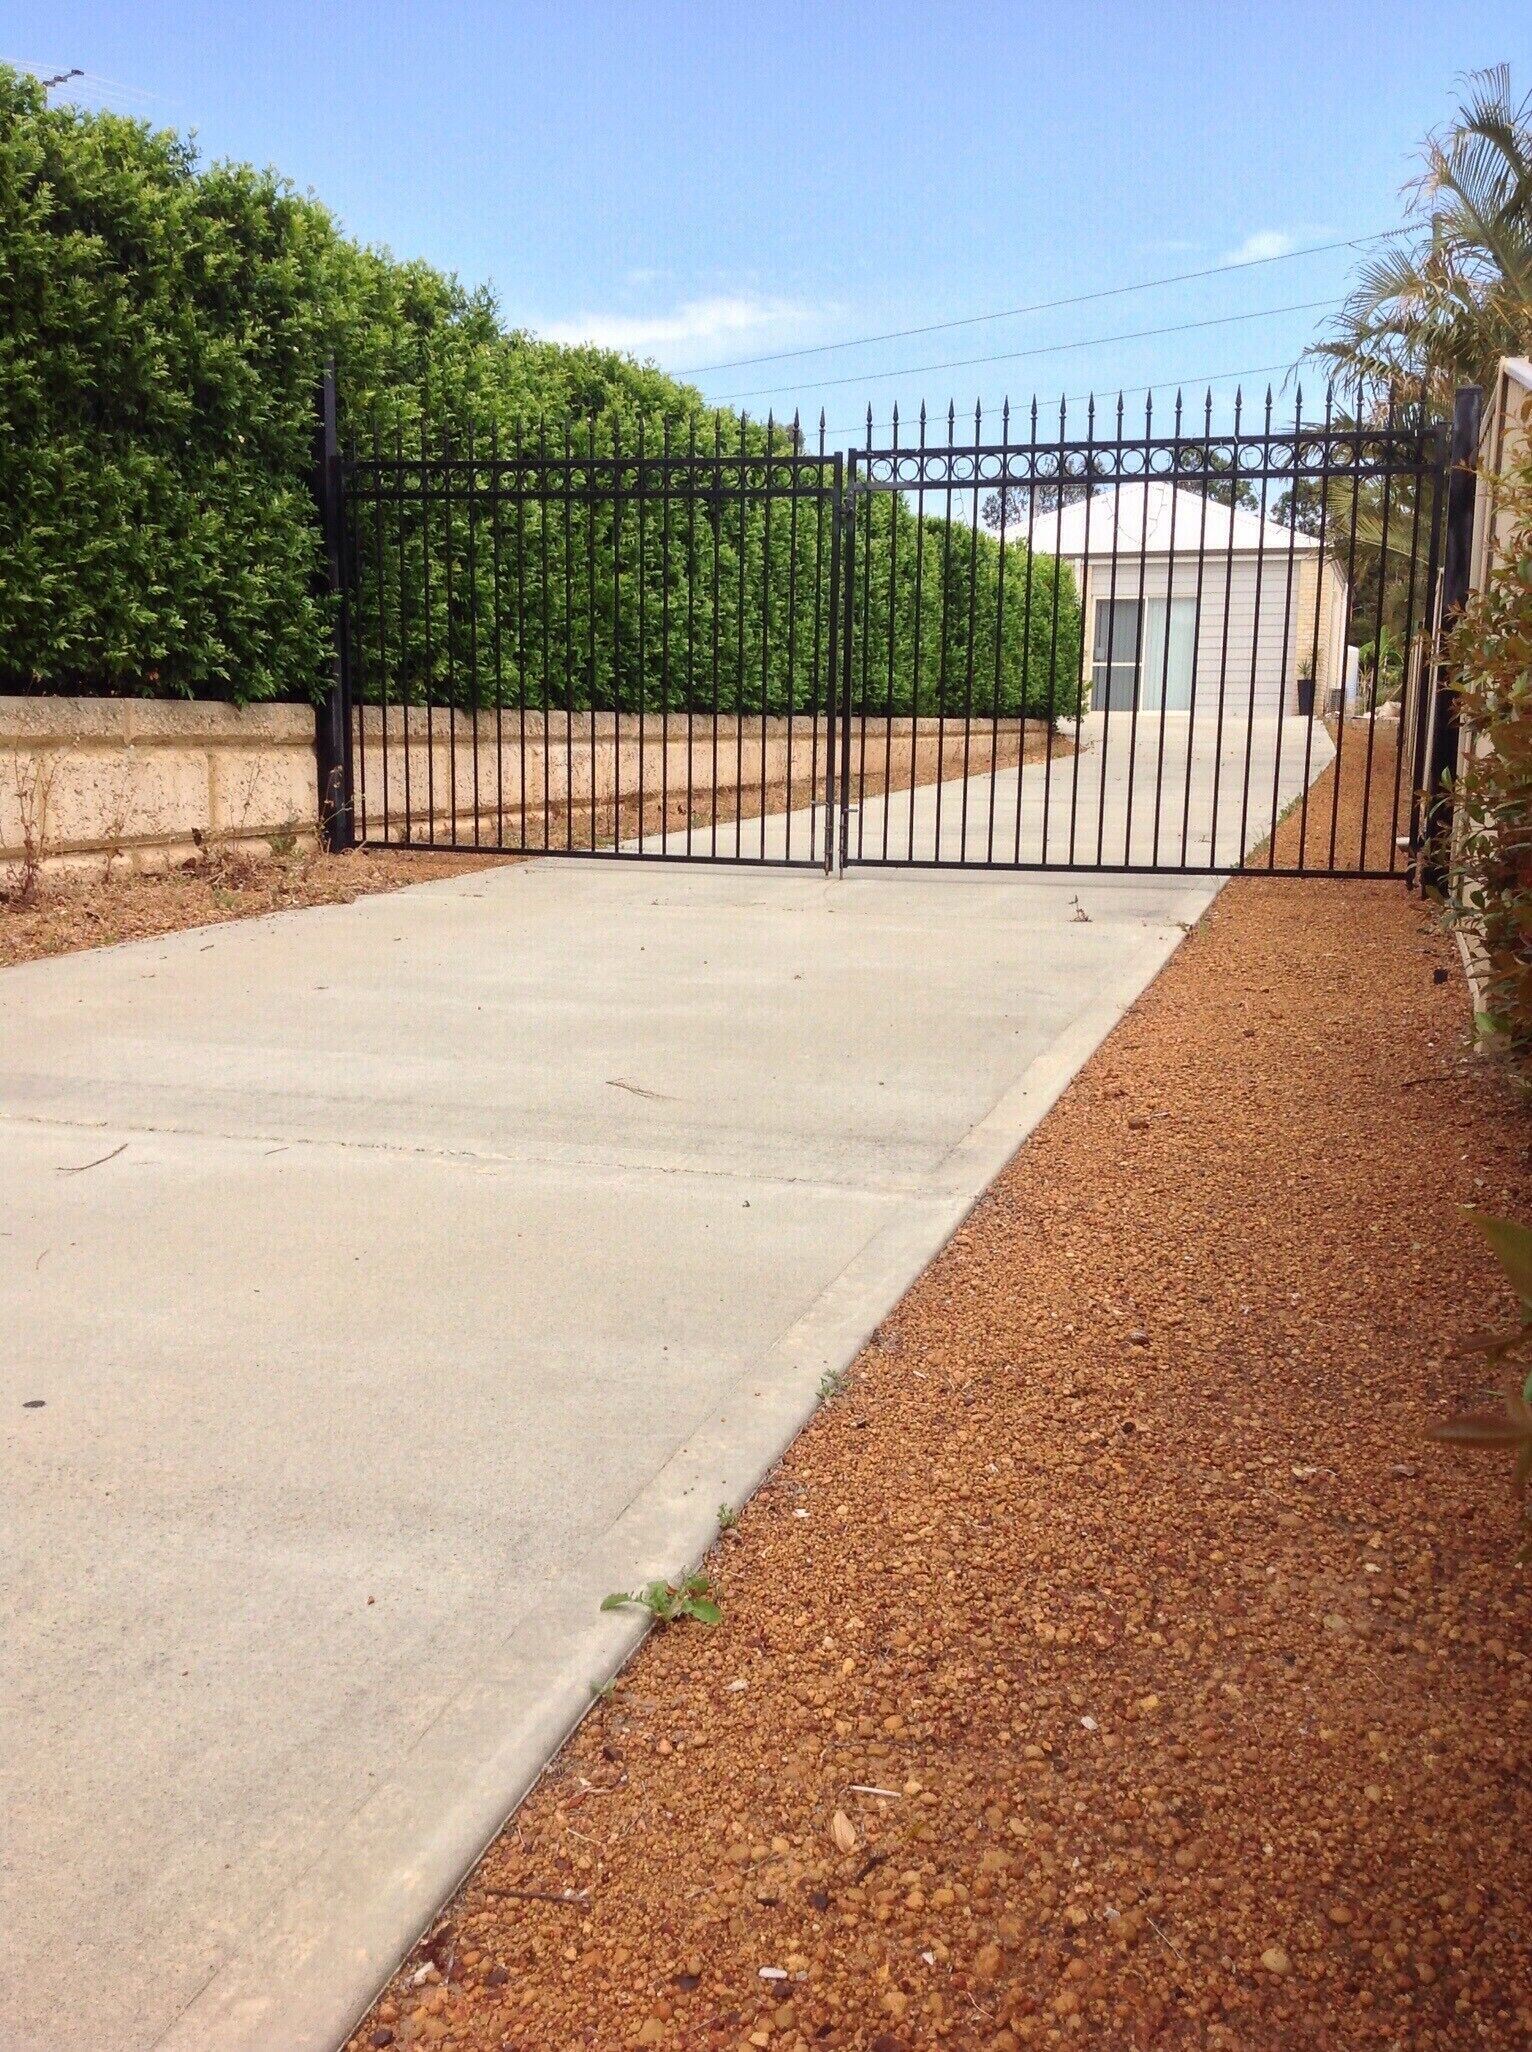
[[332, 716], [1457, 572]]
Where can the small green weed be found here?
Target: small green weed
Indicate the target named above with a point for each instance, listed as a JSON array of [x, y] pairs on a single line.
[[832, 1383], [667, 1602], [728, 1518]]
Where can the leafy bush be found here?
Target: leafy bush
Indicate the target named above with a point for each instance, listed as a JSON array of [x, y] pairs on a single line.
[[162, 327], [1491, 888]]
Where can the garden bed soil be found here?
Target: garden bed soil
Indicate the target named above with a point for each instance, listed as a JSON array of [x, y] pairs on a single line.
[[72, 910]]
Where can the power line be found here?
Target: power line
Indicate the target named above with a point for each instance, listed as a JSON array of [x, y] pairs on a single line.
[[1286, 256], [914, 370]]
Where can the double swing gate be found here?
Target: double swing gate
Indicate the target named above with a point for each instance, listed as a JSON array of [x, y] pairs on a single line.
[[1035, 644]]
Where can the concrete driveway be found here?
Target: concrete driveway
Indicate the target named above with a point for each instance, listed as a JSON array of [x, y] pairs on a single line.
[[383, 1284]]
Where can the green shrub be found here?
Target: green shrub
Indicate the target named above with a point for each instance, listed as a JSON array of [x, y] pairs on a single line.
[[162, 328], [1490, 894]]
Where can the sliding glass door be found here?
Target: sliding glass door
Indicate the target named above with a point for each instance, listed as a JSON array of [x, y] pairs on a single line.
[[1143, 653]]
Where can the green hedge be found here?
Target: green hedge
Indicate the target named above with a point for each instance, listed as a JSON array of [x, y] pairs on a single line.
[[162, 325]]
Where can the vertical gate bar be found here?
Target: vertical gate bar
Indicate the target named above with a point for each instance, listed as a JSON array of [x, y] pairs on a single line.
[[1340, 718], [1053, 640], [544, 508], [716, 523], [665, 635], [1140, 632], [1409, 636], [1223, 649], [1202, 543], [1377, 638], [495, 481], [430, 627], [823, 639], [941, 660], [473, 623], [615, 693], [893, 617], [404, 644], [1324, 522], [848, 660], [1255, 633], [520, 476], [920, 566], [1428, 622], [332, 725], [1053, 651], [792, 630], [379, 563], [999, 680], [355, 623], [590, 612], [569, 641], [643, 627], [1457, 572], [973, 618], [1287, 629], [691, 622], [739, 643], [1111, 643], [1170, 597], [771, 430], [1088, 603], [832, 652], [863, 706], [449, 588]]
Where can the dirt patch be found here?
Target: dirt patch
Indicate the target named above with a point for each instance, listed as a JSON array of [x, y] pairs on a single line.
[[1113, 1662], [66, 912]]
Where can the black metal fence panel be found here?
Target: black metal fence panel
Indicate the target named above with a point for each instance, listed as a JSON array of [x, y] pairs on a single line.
[[1147, 648], [1068, 642], [565, 645]]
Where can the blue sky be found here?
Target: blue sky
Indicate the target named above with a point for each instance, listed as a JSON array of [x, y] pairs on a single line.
[[704, 181]]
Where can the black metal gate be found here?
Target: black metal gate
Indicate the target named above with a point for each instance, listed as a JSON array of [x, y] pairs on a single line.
[[1065, 645], [570, 646]]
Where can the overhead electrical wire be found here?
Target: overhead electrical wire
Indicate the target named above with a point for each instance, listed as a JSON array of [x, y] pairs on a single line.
[[1008, 313], [916, 370]]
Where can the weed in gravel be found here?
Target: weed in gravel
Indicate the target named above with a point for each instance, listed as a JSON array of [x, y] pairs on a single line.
[[832, 1383], [667, 1602], [728, 1518]]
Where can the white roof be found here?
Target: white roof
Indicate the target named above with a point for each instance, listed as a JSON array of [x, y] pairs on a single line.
[[1147, 517]]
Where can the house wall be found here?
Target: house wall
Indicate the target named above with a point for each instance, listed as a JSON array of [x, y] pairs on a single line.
[[1268, 605]]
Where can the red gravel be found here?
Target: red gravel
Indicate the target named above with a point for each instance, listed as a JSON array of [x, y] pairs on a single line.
[[1197, 1674]]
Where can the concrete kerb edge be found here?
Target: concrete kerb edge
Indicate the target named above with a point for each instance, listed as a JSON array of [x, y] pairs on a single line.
[[329, 1945]]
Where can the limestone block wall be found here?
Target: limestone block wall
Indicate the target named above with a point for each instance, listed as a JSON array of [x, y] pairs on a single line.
[[148, 782]]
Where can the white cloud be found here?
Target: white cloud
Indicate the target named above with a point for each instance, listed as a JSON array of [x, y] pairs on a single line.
[[697, 325], [1263, 244]]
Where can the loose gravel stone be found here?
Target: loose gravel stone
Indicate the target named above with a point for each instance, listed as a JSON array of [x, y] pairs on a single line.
[[1147, 1794]]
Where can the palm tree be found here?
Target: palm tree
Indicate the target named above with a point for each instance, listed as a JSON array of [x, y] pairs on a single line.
[[1452, 292]]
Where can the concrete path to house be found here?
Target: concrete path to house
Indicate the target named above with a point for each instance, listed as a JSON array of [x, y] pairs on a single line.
[[385, 1283]]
